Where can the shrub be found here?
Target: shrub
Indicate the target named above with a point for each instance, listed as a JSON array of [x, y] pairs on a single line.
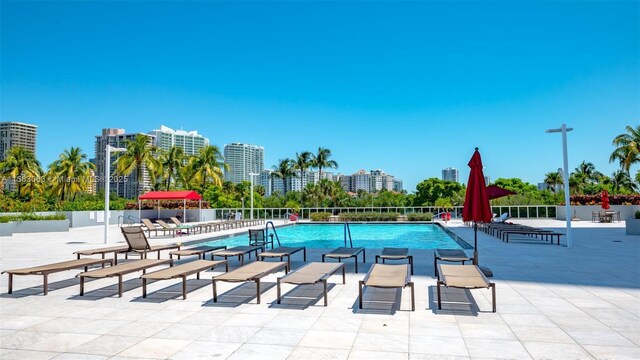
[[320, 216], [638, 214], [420, 216], [368, 216], [31, 217], [617, 199]]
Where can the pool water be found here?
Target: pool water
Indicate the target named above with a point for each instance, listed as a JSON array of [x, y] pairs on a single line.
[[375, 236]]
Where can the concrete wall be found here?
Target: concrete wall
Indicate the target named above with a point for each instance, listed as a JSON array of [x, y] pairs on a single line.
[[92, 218], [583, 212], [193, 215], [36, 226]]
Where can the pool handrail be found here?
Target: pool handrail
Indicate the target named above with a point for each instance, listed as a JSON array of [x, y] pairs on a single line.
[[347, 230], [266, 231]]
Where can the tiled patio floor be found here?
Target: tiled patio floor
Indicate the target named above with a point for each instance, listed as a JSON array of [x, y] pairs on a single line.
[[553, 303]]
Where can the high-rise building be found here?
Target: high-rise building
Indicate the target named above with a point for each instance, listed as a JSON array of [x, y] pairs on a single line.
[[345, 181], [14, 134], [397, 185], [450, 174], [190, 141], [361, 181], [125, 186], [242, 159], [487, 179]]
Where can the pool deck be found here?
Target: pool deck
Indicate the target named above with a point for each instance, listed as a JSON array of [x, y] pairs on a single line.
[[552, 303]]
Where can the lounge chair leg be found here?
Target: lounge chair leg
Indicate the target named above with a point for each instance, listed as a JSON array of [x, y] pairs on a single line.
[[360, 284], [322, 257], [11, 282], [364, 256], [81, 285], [184, 286], [493, 295], [258, 290], [278, 291], [376, 259], [435, 265], [324, 284], [226, 266], [356, 258], [144, 288], [241, 258], [439, 300], [215, 293], [120, 285], [344, 276], [304, 254], [413, 297], [46, 283]]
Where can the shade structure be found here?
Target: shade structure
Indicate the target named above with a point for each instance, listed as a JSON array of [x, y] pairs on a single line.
[[476, 202], [605, 200], [495, 192], [183, 195]]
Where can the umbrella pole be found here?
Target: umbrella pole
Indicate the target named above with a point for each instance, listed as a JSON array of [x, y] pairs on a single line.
[[475, 243]]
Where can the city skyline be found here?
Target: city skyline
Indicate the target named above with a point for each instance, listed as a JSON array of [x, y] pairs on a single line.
[[411, 88]]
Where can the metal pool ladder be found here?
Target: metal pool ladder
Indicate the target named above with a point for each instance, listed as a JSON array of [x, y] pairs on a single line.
[[266, 231], [347, 231]]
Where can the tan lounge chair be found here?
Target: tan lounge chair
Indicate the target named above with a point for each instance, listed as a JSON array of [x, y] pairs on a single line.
[[311, 274], [464, 277], [345, 253], [47, 269], [138, 243], [120, 270], [239, 251], [251, 272], [395, 254], [450, 255], [164, 226], [388, 277], [149, 226], [103, 251], [181, 271], [201, 251], [180, 225]]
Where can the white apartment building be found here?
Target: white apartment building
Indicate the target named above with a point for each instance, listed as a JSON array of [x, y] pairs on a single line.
[[360, 181], [450, 174], [190, 141], [397, 185], [14, 134], [125, 186], [243, 159]]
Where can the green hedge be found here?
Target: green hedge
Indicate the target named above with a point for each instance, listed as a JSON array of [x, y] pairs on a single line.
[[420, 216], [368, 216], [320, 216], [31, 217]]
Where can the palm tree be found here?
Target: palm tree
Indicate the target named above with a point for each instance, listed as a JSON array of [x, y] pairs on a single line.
[[284, 170], [139, 156], [302, 163], [208, 165], [588, 172], [71, 173], [321, 160], [172, 161], [20, 164], [627, 150], [620, 180], [552, 180]]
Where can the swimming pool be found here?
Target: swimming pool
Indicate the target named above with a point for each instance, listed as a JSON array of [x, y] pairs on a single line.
[[375, 236]]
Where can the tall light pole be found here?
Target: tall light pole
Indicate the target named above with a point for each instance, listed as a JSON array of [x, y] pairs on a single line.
[[107, 180], [251, 175], [567, 201]]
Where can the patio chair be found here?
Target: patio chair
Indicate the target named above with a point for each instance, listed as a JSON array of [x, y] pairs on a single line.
[[346, 253], [239, 251], [464, 277], [450, 255], [149, 227], [119, 249], [282, 252], [166, 228], [138, 243], [251, 272], [201, 251], [312, 274], [395, 254], [500, 219], [180, 225], [181, 271], [257, 237], [47, 269], [387, 277], [121, 270]]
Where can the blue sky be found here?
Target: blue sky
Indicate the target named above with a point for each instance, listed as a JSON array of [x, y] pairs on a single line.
[[410, 88]]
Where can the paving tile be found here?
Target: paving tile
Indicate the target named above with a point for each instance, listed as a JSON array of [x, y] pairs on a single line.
[[44, 341], [497, 349], [184, 331], [369, 355], [311, 353], [613, 352], [223, 333], [381, 342], [385, 324], [140, 328], [261, 352], [271, 336], [328, 339], [20, 322], [72, 356], [155, 348], [484, 331], [283, 321], [435, 345], [30, 355], [107, 345], [605, 338], [542, 334], [544, 350], [206, 350]]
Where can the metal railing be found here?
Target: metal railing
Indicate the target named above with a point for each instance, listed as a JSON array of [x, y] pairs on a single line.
[[514, 211], [129, 220]]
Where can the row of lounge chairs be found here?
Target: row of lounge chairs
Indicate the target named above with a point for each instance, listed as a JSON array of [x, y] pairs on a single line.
[[503, 231], [379, 275], [179, 228]]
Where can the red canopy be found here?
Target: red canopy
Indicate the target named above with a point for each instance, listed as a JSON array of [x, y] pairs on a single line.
[[476, 202], [605, 200], [171, 195], [495, 191]]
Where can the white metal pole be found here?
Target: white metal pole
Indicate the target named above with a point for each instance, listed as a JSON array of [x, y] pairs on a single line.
[[567, 199], [107, 176], [251, 217], [184, 210]]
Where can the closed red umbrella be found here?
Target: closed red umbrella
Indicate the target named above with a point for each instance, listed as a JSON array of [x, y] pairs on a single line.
[[476, 202], [605, 200], [495, 191]]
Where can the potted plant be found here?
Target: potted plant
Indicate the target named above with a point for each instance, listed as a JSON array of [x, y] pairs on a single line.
[[633, 224]]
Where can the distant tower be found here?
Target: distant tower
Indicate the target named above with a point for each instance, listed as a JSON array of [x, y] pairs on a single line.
[[243, 159], [450, 174], [13, 134], [190, 141]]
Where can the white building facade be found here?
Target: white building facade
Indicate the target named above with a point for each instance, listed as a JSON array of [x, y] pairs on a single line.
[[243, 159]]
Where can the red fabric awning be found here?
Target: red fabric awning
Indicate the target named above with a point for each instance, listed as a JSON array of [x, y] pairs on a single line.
[[171, 195], [495, 191]]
